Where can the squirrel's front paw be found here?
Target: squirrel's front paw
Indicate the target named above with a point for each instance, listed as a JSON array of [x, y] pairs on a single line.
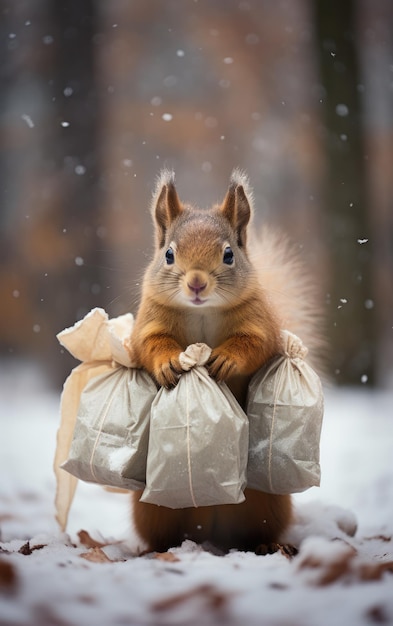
[[167, 373], [220, 366]]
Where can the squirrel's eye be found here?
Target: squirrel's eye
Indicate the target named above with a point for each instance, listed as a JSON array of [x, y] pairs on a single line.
[[170, 256], [228, 256]]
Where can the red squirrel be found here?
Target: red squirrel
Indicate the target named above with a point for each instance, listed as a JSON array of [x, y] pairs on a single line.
[[201, 286]]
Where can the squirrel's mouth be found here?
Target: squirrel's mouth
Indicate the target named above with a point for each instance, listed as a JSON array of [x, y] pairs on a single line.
[[197, 301]]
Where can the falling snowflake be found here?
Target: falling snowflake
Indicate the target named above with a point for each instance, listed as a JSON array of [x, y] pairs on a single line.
[[26, 118], [342, 110]]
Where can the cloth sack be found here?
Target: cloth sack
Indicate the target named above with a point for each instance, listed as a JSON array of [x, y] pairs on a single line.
[[111, 434], [198, 440], [99, 431], [285, 411]]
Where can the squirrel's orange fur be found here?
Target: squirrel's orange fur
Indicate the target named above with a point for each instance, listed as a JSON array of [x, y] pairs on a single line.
[[202, 287]]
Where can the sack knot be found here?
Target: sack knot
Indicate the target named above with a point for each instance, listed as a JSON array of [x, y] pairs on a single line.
[[196, 354], [293, 347]]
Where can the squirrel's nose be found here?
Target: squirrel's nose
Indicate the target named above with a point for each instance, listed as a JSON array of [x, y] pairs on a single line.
[[196, 286]]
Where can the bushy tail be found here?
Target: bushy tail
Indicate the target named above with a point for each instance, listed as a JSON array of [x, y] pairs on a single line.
[[291, 290]]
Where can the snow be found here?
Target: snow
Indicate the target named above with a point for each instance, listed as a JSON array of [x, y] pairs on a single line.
[[26, 118], [61, 579], [342, 110]]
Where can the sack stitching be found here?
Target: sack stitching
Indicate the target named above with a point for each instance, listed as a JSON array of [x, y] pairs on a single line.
[[277, 384], [105, 415], [189, 445]]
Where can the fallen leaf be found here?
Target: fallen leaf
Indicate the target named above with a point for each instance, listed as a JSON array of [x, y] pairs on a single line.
[[343, 564], [384, 538], [271, 548], [96, 555], [212, 597], [328, 570], [287, 550], [88, 541], [6, 517], [27, 549], [166, 556], [46, 615], [374, 571], [378, 615]]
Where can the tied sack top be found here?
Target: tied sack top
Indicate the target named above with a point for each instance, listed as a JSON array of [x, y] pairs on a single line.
[[285, 411]]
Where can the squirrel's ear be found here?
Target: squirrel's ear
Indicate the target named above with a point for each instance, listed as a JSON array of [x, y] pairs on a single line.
[[237, 205], [166, 206]]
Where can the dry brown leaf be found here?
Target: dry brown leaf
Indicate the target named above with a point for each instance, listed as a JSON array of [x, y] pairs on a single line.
[[27, 549], [345, 564], [329, 570], [6, 517], [374, 571], [47, 615], [215, 599], [96, 555], [88, 541], [378, 615], [166, 556], [286, 549], [384, 538], [8, 577]]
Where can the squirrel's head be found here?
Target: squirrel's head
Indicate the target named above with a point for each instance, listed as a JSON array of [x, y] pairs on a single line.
[[201, 257]]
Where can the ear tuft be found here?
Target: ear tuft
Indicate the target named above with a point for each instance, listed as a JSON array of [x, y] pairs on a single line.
[[237, 205], [165, 177], [166, 206], [239, 177]]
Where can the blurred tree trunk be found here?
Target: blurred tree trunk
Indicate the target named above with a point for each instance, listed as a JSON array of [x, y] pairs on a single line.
[[73, 149], [346, 203]]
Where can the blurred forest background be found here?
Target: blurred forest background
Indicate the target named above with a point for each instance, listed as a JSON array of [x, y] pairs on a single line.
[[97, 96]]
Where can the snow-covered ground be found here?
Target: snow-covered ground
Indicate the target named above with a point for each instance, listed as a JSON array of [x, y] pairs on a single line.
[[47, 578]]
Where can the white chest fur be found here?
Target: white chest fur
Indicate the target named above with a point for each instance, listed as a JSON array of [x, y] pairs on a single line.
[[204, 325]]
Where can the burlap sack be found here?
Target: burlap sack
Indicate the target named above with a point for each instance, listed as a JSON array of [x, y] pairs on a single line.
[[285, 411], [198, 441], [102, 420]]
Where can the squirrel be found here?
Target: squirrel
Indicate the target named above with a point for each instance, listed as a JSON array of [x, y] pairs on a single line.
[[201, 286]]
